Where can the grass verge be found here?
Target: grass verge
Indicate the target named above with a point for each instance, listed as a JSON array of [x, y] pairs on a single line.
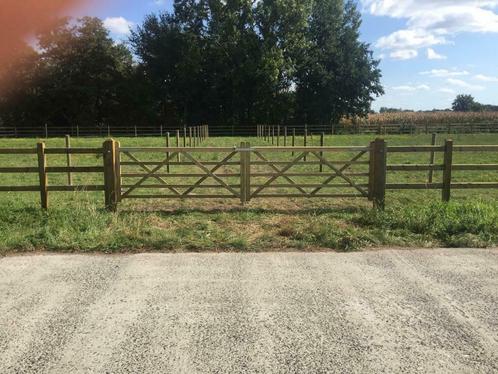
[[84, 228]]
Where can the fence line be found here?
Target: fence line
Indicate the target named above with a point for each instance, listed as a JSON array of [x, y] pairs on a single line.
[[262, 131], [246, 160]]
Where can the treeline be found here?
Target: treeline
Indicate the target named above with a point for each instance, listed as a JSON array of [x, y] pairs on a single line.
[[236, 62]]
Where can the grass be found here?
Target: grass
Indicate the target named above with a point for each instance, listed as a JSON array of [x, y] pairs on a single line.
[[77, 222]]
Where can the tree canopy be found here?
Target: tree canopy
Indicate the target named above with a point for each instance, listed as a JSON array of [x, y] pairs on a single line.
[[237, 62]]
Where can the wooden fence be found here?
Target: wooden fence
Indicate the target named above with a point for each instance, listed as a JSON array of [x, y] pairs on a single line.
[[246, 172]]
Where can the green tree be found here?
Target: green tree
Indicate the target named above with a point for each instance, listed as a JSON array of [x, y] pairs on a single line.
[[84, 74], [337, 75], [465, 103]]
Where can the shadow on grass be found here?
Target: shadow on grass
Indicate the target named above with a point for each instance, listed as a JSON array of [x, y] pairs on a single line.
[[248, 210]]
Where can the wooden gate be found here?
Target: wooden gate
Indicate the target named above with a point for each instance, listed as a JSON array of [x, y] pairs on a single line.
[[245, 172], [181, 173]]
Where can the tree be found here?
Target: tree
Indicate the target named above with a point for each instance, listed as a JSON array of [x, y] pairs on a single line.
[[465, 103], [84, 74], [337, 75]]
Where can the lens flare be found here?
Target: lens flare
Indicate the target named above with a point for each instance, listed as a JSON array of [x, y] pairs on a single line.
[[21, 18]]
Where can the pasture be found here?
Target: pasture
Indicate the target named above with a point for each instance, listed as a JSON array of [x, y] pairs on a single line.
[[77, 220]]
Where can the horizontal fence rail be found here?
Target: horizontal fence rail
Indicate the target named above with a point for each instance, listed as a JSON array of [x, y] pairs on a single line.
[[248, 172], [188, 135]]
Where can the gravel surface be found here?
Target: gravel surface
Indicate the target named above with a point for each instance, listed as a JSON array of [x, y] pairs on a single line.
[[387, 311]]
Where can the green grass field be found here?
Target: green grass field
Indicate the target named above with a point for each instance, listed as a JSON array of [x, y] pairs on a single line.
[[78, 222]]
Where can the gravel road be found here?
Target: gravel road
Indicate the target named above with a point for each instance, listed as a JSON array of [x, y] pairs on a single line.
[[387, 311]]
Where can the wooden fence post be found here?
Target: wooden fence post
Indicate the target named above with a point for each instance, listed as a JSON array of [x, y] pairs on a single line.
[[448, 164], [305, 140], [46, 131], [371, 169], [278, 136], [190, 137], [245, 172], [136, 131], [117, 171], [110, 193], [293, 138], [322, 135], [69, 160], [178, 144], [432, 159], [167, 153], [42, 173], [379, 173], [285, 136]]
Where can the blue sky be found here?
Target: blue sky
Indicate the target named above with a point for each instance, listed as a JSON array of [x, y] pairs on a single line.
[[431, 50]]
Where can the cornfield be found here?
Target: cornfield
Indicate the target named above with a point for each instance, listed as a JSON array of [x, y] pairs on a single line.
[[422, 118]]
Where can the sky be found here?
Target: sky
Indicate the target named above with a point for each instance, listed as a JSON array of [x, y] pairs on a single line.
[[430, 50]]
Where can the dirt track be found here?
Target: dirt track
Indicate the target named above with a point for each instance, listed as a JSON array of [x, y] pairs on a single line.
[[393, 311]]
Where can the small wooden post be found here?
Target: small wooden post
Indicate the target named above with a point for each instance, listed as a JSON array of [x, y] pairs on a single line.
[[110, 193], [190, 137], [269, 134], [42, 173], [178, 144], [136, 131], [108, 131], [77, 131], [167, 153], [46, 131], [69, 160], [322, 135], [448, 164], [278, 136], [273, 135], [432, 159], [293, 138], [285, 136], [379, 173], [161, 131], [305, 141]]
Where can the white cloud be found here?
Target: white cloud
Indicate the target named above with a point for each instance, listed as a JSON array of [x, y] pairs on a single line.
[[462, 84], [412, 88], [431, 22], [445, 73], [485, 78], [433, 55], [404, 54], [118, 26], [449, 91]]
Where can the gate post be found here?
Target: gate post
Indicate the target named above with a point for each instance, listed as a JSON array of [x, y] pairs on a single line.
[[245, 172], [110, 180], [448, 164], [378, 169]]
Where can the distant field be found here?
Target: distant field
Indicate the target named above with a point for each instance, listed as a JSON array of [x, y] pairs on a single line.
[[433, 118], [76, 221]]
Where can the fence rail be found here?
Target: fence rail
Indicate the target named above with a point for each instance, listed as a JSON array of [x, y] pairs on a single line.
[[188, 135], [247, 172]]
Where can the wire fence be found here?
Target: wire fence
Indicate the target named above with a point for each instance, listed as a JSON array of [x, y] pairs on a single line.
[[218, 130]]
